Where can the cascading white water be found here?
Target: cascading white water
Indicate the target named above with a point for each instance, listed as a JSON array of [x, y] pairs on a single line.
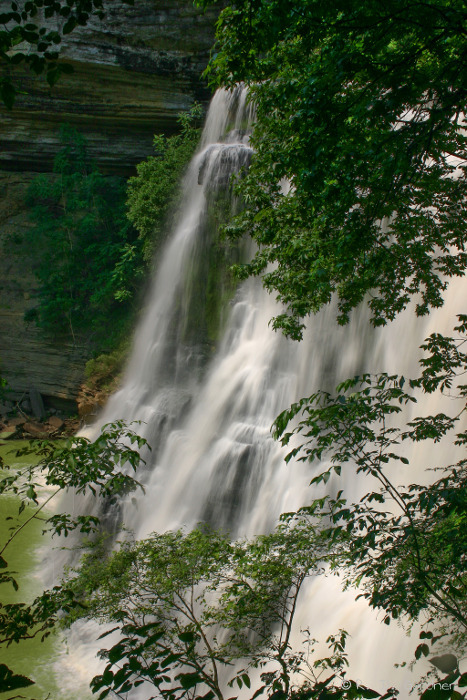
[[208, 415]]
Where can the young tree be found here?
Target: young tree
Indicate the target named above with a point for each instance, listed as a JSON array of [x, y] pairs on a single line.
[[188, 606]]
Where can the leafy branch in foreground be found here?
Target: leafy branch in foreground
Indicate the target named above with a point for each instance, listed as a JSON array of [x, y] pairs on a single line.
[[103, 468], [360, 108], [188, 606], [406, 545]]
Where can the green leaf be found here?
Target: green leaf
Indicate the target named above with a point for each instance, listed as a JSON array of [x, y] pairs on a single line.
[[186, 636], [69, 25], [8, 94], [17, 58], [52, 76], [368, 693], [106, 634], [439, 693], [170, 659], [153, 638], [426, 634], [11, 681], [422, 649], [189, 680], [66, 68]]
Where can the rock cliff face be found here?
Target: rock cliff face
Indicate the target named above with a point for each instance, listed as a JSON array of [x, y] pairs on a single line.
[[27, 358], [133, 73]]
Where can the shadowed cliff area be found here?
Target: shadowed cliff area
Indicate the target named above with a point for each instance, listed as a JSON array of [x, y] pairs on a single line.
[[134, 72]]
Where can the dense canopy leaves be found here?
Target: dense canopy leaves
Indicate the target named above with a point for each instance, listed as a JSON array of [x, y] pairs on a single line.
[[359, 109]]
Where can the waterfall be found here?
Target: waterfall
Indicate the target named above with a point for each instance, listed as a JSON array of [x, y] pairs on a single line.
[[207, 405]]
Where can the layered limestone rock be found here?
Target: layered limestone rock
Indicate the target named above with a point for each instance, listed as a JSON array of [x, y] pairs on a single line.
[[133, 73]]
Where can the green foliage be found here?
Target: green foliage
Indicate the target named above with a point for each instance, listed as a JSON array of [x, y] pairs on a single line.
[[208, 284], [86, 254], [153, 192], [96, 467], [101, 371], [405, 547], [445, 361], [79, 464], [219, 258], [3, 388], [27, 39], [152, 196], [12, 681], [188, 605], [359, 108], [152, 589]]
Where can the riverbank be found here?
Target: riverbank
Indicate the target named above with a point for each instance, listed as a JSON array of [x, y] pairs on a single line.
[[23, 427]]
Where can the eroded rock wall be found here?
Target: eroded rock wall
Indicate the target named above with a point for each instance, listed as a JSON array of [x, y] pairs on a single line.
[[133, 73]]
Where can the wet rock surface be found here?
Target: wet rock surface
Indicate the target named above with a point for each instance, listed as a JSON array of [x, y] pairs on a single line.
[[26, 428], [28, 358]]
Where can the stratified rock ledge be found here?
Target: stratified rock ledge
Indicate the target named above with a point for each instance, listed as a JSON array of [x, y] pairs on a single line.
[[134, 72]]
